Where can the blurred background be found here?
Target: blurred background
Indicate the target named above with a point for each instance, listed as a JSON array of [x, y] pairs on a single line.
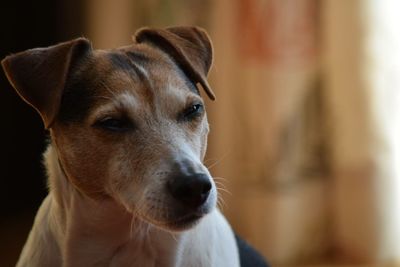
[[304, 132]]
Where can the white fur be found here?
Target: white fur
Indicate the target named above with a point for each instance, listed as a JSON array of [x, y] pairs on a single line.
[[73, 230]]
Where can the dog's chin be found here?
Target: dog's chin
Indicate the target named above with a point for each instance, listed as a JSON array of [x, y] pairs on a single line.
[[177, 220], [180, 223]]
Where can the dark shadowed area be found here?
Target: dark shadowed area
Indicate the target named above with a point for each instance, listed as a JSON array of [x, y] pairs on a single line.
[[25, 25]]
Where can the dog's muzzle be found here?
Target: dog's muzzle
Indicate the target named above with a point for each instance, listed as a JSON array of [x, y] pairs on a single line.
[[188, 195]]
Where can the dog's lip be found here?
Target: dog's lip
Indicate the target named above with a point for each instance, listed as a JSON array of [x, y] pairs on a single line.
[[187, 218], [190, 217], [185, 221]]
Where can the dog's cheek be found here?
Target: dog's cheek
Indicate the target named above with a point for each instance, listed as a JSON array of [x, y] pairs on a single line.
[[197, 138], [203, 143], [126, 171], [121, 182], [83, 161]]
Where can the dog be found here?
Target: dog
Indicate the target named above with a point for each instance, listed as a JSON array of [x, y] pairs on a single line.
[[128, 135]]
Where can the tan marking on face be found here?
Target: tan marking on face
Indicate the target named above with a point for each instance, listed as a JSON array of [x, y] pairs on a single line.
[[132, 166]]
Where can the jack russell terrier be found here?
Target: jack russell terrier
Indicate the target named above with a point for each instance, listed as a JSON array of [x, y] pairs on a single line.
[[128, 128]]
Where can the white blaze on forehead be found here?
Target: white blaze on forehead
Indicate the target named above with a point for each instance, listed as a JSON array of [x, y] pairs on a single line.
[[142, 70], [127, 100]]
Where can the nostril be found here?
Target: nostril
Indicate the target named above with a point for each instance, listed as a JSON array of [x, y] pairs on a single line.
[[206, 187], [190, 190]]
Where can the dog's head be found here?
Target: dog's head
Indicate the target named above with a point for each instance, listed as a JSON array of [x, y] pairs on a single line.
[[128, 124]]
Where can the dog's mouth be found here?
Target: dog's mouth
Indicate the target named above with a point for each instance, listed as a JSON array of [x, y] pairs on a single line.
[[166, 213], [176, 223], [187, 219], [184, 222]]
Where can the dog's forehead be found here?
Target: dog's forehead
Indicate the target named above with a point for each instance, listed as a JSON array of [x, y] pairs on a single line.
[[146, 74], [143, 72]]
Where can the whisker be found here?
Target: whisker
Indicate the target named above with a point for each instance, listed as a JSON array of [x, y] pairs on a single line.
[[173, 237], [209, 159], [221, 202], [218, 161], [220, 184], [224, 190], [220, 178]]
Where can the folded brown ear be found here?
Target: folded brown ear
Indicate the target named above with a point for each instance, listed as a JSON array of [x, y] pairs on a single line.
[[190, 47], [39, 75]]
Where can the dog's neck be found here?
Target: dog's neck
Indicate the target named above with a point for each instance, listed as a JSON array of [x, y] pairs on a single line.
[[103, 228]]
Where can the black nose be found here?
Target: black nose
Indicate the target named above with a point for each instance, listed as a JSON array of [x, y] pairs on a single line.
[[190, 190]]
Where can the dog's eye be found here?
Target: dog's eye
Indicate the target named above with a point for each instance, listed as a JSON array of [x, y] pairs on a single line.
[[114, 124], [192, 112]]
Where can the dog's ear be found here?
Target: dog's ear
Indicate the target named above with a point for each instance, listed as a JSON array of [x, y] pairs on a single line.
[[39, 75], [190, 47]]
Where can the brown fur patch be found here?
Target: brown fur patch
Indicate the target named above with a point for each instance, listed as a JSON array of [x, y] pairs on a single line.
[[152, 93]]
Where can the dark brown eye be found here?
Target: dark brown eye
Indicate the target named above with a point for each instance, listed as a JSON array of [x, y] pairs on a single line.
[[192, 112], [114, 124]]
